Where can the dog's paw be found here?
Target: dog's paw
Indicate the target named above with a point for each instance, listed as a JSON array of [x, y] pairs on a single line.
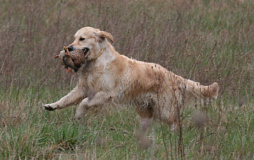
[[77, 118], [50, 107]]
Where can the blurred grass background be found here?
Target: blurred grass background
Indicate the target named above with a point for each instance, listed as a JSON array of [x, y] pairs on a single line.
[[202, 40]]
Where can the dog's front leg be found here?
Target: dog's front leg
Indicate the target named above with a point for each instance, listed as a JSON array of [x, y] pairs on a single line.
[[74, 97], [98, 99]]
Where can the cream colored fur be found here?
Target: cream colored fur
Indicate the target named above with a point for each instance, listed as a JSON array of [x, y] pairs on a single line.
[[115, 79]]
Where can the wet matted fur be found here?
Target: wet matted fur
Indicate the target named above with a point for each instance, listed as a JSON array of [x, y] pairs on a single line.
[[108, 77]]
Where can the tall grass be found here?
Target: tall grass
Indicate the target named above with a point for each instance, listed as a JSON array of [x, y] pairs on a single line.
[[203, 40]]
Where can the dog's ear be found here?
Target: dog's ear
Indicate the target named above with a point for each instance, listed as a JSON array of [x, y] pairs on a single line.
[[103, 35]]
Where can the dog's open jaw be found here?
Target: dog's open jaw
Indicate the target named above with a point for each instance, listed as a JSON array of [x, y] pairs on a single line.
[[74, 59], [85, 50]]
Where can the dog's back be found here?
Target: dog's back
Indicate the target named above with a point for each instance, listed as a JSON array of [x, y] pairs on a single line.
[[151, 85]]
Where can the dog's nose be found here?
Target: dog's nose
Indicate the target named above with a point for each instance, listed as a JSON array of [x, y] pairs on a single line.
[[70, 48]]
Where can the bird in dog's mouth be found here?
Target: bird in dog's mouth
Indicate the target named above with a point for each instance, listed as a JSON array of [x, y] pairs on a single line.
[[74, 58]]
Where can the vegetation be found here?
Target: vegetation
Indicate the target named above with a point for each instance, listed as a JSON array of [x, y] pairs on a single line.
[[203, 40]]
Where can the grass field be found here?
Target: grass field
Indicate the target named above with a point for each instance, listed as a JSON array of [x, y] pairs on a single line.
[[203, 40]]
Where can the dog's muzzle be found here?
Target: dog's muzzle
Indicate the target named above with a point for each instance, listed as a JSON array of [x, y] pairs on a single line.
[[73, 58], [70, 48]]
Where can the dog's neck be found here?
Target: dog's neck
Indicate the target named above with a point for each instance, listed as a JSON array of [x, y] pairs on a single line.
[[108, 55]]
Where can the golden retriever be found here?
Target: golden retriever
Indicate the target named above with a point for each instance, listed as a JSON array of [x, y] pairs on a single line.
[[110, 78]]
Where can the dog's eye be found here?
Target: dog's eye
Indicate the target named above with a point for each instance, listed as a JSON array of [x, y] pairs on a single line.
[[81, 38]]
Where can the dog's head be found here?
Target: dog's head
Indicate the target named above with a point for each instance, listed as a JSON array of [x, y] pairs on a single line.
[[91, 41]]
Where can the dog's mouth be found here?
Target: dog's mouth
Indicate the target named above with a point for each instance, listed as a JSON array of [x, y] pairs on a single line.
[[73, 62], [85, 51], [69, 64]]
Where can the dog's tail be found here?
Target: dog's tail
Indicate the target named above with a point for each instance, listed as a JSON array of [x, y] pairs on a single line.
[[200, 91], [194, 91]]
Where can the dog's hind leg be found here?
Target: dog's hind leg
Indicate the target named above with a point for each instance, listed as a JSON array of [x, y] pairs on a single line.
[[146, 118]]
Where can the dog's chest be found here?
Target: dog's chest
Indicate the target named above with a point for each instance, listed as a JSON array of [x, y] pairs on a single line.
[[97, 81]]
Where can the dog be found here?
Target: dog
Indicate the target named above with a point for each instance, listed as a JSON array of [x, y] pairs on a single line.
[[107, 77]]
